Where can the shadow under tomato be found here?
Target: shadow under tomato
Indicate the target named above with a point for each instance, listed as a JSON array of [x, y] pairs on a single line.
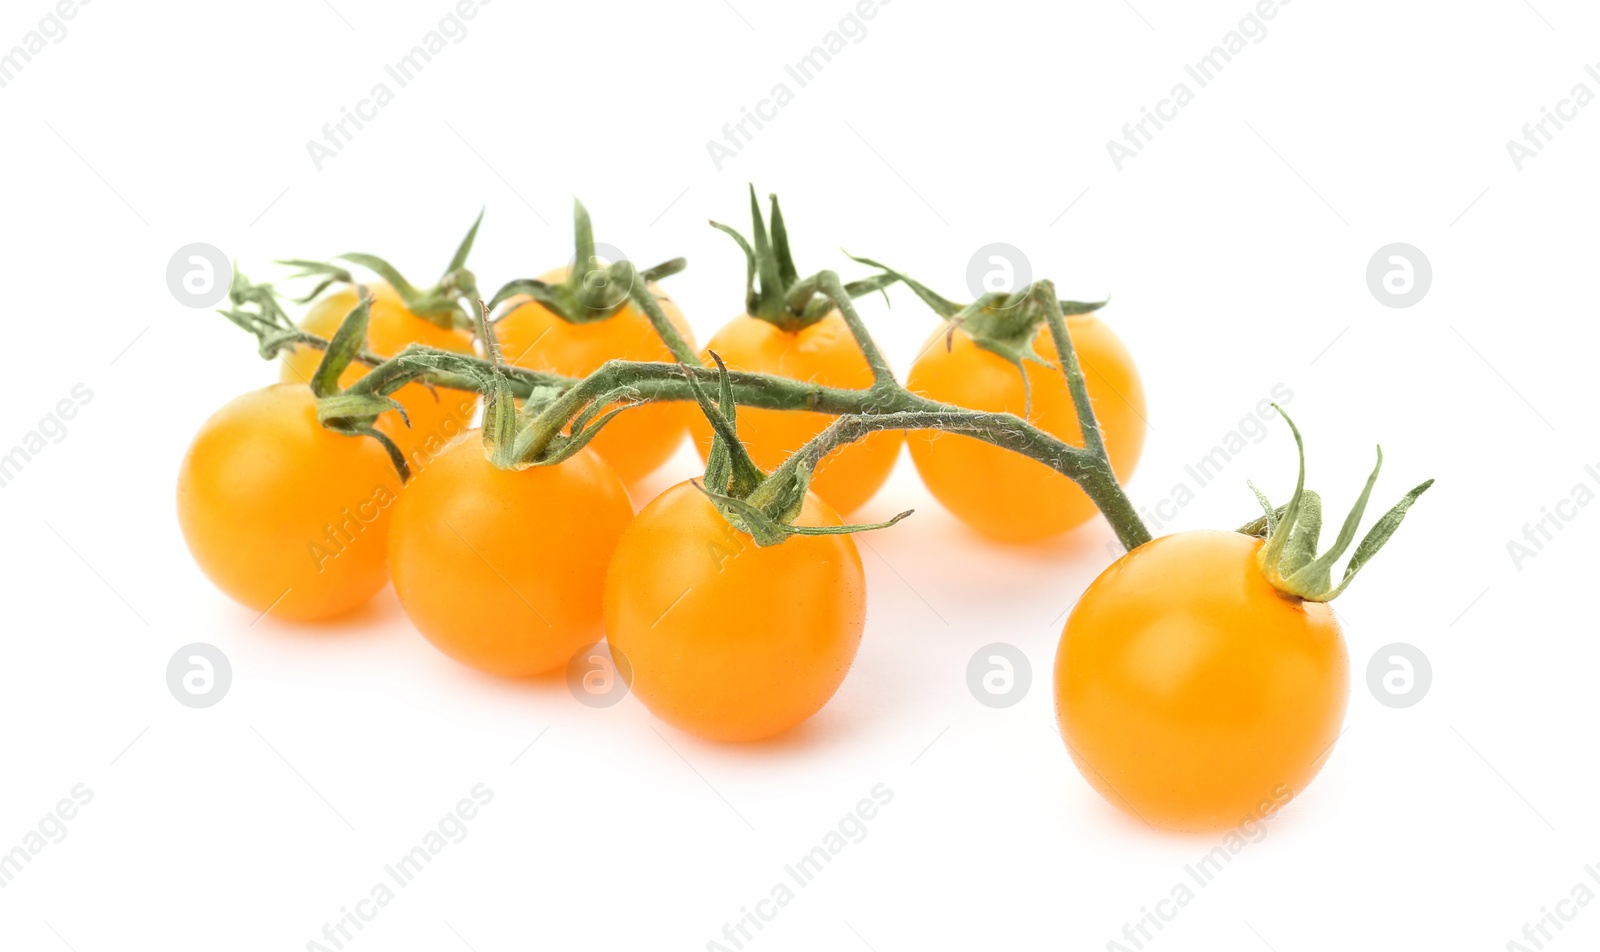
[[544, 683], [371, 620], [826, 729], [1085, 806]]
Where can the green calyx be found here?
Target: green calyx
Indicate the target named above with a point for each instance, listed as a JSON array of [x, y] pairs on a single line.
[[595, 288], [761, 505], [1289, 560], [255, 308], [349, 412], [440, 304], [1006, 325], [500, 420], [774, 291]]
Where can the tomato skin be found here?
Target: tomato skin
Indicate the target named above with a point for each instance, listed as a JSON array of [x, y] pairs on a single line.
[[824, 353], [999, 493], [637, 441], [726, 640], [269, 501], [437, 415], [503, 570], [1191, 692]]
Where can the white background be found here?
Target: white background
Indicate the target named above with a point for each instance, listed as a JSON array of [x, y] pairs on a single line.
[[1235, 247]]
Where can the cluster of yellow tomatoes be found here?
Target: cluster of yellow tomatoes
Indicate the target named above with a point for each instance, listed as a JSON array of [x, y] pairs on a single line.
[[1189, 687]]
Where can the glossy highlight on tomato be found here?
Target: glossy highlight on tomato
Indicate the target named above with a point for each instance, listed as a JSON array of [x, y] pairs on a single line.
[[436, 415], [1001, 494], [1191, 692], [825, 353], [727, 640], [503, 570], [283, 514], [534, 337]]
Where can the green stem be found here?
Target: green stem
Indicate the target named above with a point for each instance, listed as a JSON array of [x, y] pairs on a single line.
[[882, 376], [646, 299], [443, 368], [1093, 438], [556, 401]]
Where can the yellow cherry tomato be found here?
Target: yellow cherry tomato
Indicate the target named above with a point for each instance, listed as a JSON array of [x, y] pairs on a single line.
[[283, 514], [995, 491], [727, 640], [825, 353], [502, 570], [1192, 693], [639, 440]]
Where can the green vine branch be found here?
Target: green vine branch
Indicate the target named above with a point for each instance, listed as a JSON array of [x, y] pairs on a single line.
[[561, 414]]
